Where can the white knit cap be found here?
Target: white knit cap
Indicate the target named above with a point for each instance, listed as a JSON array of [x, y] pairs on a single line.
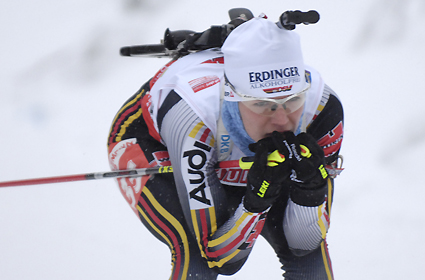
[[262, 60]]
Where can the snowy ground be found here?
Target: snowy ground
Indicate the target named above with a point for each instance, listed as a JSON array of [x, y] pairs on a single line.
[[62, 80]]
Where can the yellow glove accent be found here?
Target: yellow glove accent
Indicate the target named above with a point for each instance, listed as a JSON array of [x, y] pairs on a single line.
[[275, 158], [305, 152], [272, 160], [246, 163], [323, 171]]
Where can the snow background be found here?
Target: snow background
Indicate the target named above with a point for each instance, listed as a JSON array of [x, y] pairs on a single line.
[[62, 81]]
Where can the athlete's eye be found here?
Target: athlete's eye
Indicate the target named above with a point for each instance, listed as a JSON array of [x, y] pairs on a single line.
[[297, 98]]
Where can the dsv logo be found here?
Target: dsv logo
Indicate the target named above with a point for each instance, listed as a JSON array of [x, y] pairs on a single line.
[[196, 160]]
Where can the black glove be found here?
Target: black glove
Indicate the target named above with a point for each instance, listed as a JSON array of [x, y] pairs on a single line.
[[309, 176], [265, 178]]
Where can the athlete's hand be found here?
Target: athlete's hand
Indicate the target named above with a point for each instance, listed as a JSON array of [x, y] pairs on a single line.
[[309, 176], [269, 170]]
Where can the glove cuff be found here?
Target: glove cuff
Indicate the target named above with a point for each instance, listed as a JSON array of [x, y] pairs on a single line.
[[308, 197], [254, 208]]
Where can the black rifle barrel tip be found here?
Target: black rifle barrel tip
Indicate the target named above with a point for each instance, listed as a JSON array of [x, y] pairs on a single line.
[[314, 16], [125, 51], [291, 18]]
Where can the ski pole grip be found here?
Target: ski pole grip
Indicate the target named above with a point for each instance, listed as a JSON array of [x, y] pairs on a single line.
[[246, 162]]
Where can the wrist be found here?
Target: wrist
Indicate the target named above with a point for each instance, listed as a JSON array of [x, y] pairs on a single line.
[[251, 207]]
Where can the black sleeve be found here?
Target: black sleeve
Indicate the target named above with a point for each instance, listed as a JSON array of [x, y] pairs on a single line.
[[328, 126]]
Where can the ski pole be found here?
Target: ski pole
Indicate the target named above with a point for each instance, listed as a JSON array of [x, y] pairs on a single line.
[[89, 176], [243, 163], [105, 175]]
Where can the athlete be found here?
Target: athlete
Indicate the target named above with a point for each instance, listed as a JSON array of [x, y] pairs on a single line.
[[255, 99]]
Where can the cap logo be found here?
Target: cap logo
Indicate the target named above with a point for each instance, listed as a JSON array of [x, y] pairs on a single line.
[[273, 74], [278, 89], [274, 80]]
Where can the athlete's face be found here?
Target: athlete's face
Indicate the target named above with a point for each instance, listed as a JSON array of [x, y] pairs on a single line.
[[259, 126]]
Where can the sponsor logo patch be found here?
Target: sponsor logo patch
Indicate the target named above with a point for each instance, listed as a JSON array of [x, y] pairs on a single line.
[[233, 176], [204, 82], [194, 161]]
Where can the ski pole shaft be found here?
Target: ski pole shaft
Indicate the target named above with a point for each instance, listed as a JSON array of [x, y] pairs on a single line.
[[243, 163], [104, 175], [89, 176]]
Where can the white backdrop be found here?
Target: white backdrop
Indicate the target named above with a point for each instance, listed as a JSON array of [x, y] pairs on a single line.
[[62, 81]]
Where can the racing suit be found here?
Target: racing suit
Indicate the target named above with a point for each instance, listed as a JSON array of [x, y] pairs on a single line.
[[174, 120]]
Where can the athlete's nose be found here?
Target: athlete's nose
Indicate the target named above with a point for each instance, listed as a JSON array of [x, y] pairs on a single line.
[[280, 117]]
